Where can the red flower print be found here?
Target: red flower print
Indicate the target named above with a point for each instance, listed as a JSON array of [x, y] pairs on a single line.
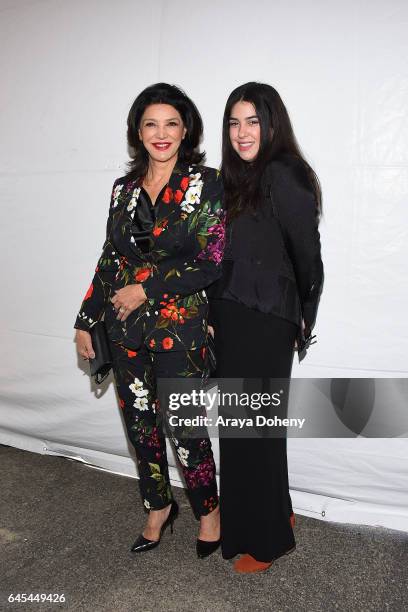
[[203, 352], [131, 353], [167, 343], [97, 269], [142, 274], [178, 196], [168, 195], [89, 292], [121, 403], [165, 295], [122, 262], [152, 343], [184, 183], [170, 311], [157, 231]]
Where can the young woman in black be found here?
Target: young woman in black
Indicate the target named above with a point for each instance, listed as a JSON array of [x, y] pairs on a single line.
[[263, 307]]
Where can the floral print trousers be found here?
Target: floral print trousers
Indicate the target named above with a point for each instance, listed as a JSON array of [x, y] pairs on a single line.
[[136, 373]]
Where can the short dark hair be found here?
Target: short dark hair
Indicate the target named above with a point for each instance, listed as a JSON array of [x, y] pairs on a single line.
[[242, 180], [163, 93]]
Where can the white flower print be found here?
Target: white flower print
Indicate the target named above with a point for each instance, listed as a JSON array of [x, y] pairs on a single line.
[[82, 315], [141, 403], [183, 453], [136, 387], [133, 201], [192, 195], [146, 504], [116, 194], [186, 207], [195, 180], [131, 205]]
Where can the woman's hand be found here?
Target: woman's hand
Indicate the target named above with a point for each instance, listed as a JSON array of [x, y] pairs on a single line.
[[304, 329], [210, 330], [127, 299], [84, 344]]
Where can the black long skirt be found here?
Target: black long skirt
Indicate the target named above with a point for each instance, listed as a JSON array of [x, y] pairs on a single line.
[[255, 503]]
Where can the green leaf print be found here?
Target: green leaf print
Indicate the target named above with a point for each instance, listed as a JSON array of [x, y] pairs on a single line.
[[202, 241], [170, 273], [191, 312], [162, 323], [193, 219], [154, 467]]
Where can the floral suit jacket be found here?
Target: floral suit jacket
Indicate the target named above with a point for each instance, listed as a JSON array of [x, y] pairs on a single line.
[[186, 248]]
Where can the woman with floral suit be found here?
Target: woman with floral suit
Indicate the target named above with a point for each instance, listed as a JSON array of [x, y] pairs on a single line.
[[163, 247]]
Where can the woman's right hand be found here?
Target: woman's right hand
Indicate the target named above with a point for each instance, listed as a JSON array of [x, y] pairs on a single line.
[[210, 330], [84, 344]]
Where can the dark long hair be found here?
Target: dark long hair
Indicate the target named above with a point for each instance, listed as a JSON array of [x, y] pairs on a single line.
[[163, 93], [242, 179]]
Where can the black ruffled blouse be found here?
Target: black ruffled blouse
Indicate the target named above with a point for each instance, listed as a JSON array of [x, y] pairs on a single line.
[[272, 260]]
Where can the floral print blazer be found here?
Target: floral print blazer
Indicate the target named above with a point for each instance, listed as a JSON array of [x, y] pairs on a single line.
[[186, 249]]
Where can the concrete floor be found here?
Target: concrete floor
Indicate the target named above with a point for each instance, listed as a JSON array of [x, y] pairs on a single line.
[[66, 528]]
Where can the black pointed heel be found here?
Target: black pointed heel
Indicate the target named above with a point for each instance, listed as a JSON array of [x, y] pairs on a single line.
[[142, 544], [205, 549]]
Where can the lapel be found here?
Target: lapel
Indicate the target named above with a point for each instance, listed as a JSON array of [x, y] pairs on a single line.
[[180, 198], [183, 191], [123, 218], [182, 177], [178, 184]]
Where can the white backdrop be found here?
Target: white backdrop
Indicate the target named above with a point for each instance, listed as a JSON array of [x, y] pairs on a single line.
[[70, 71]]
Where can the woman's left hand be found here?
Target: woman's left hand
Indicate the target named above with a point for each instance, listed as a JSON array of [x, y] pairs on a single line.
[[304, 331], [127, 299]]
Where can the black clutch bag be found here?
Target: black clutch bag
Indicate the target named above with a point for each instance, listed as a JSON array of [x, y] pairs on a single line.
[[102, 363]]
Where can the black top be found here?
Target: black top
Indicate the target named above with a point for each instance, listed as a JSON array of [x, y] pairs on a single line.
[[272, 260], [144, 217]]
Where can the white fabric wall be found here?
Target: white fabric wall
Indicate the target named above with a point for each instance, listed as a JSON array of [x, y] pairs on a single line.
[[70, 71]]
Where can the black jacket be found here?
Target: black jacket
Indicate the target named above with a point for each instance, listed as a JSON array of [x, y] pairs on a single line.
[[174, 249], [272, 260]]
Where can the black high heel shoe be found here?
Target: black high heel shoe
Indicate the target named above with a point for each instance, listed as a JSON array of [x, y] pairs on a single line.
[[205, 549], [142, 544]]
